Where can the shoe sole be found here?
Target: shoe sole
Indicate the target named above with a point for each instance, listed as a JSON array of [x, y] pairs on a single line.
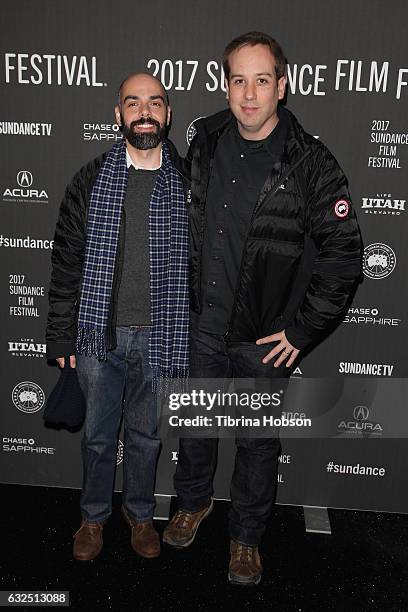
[[191, 540], [77, 558], [233, 579], [129, 522], [81, 558]]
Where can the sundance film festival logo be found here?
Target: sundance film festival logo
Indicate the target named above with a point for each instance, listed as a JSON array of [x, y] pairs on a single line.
[[101, 132], [51, 69], [383, 204], [24, 192], [359, 423], [25, 446], [191, 130], [27, 348], [119, 453], [28, 397], [378, 261]]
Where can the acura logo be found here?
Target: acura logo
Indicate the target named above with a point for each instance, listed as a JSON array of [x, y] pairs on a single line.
[[24, 178], [361, 413]]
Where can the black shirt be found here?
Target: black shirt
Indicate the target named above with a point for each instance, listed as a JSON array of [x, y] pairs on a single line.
[[239, 172]]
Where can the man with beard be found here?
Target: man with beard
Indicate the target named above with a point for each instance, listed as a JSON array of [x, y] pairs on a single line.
[[275, 255], [118, 307]]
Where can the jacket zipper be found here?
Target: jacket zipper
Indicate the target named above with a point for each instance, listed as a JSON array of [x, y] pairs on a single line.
[[202, 229], [270, 195]]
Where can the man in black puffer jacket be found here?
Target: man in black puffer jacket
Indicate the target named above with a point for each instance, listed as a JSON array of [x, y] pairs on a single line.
[[274, 257]]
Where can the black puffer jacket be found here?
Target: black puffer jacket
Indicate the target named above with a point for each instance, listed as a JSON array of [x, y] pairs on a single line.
[[68, 258], [302, 254]]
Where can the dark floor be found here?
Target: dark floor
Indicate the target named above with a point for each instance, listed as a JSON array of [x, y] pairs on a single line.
[[362, 566]]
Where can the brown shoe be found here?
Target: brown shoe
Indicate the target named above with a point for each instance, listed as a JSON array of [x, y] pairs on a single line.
[[88, 541], [145, 540], [245, 566], [182, 529]]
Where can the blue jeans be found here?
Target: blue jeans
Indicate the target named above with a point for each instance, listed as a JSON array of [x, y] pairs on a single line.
[[124, 380], [254, 480]]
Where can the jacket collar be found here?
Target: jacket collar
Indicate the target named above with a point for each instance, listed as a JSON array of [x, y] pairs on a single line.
[[177, 161], [296, 140]]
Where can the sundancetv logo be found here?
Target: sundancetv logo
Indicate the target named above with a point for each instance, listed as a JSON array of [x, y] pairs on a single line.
[[25, 128], [366, 369]]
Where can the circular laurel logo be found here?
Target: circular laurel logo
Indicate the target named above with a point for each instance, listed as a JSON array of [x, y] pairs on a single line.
[[28, 397], [378, 261], [119, 454], [361, 413], [191, 131]]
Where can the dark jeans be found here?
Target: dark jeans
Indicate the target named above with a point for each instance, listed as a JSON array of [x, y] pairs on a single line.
[[254, 481], [123, 380]]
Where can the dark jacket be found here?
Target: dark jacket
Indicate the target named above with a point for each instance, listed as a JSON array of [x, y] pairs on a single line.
[[68, 259], [301, 258]]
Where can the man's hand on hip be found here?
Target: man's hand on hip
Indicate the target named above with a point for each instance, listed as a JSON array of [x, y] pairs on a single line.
[[285, 348], [61, 361]]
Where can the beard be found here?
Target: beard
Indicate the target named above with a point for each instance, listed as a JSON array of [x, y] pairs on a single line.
[[143, 140]]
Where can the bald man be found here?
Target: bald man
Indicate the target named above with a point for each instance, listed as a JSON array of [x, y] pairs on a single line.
[[118, 307]]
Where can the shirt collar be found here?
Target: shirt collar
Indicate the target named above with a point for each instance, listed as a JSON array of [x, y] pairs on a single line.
[[274, 144], [130, 162]]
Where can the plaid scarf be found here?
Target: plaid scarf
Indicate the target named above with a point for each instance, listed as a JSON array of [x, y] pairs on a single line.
[[168, 240]]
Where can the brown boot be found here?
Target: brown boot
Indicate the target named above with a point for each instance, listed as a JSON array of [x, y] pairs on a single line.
[[245, 566], [88, 541], [182, 529], [145, 540]]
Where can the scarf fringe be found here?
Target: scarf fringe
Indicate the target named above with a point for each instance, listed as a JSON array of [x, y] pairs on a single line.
[[170, 380], [91, 342]]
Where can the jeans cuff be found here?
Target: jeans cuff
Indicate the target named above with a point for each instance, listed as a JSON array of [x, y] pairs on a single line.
[[195, 505], [138, 519], [102, 520], [245, 535]]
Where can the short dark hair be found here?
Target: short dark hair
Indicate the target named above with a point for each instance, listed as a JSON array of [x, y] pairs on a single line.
[[252, 39]]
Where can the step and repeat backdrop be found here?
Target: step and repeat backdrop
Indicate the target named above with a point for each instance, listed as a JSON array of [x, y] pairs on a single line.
[[60, 68]]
